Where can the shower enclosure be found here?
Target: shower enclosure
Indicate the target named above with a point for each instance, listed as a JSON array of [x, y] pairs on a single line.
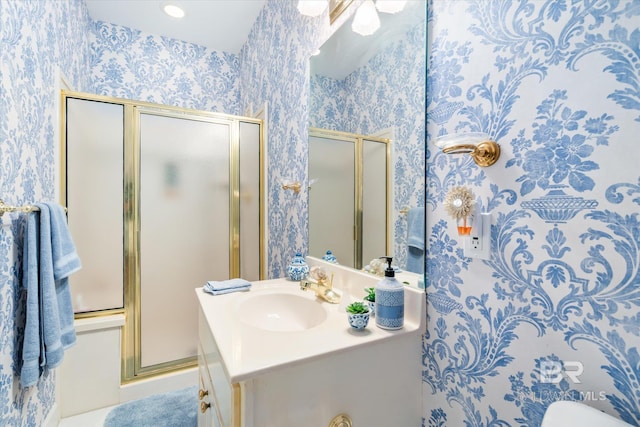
[[160, 200]]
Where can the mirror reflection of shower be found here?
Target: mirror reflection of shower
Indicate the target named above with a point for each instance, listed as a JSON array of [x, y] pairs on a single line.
[[375, 86], [349, 200]]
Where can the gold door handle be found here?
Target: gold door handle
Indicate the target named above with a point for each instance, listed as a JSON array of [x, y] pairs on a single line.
[[204, 406], [203, 393]]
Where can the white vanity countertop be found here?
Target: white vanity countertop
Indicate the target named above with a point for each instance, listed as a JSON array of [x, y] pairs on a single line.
[[248, 351]]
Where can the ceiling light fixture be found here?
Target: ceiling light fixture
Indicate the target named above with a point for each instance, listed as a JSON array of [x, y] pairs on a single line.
[[312, 7], [390, 6], [366, 20], [173, 11]]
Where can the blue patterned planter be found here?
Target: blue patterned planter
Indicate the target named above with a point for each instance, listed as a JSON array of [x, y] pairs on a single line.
[[372, 307], [359, 320]]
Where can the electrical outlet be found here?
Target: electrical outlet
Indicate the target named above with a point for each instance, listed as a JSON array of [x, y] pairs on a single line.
[[478, 244], [475, 243]]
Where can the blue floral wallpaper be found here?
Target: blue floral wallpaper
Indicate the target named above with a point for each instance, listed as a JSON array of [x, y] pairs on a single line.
[[274, 70], [386, 93], [29, 78], [554, 313], [127, 63]]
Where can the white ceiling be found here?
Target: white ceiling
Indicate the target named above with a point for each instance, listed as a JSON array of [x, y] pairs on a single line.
[[222, 25]]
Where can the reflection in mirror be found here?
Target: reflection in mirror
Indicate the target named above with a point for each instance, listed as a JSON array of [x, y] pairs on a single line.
[[350, 196], [375, 86]]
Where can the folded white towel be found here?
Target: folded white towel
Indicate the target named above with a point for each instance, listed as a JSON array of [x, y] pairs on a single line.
[[226, 286]]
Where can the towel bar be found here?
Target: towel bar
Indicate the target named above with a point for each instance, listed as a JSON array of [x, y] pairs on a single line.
[[4, 208]]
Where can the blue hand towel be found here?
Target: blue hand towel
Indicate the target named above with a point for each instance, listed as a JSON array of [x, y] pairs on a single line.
[[30, 371], [52, 351], [49, 258], [226, 286], [415, 228], [227, 291], [65, 262], [415, 240], [415, 260]]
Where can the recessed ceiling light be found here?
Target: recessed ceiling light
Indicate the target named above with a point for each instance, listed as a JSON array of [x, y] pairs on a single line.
[[173, 11]]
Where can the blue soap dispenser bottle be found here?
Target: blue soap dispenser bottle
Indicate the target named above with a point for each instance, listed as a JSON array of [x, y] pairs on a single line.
[[389, 299]]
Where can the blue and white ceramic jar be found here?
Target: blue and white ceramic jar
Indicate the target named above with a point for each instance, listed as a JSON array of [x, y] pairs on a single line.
[[330, 257], [298, 269]]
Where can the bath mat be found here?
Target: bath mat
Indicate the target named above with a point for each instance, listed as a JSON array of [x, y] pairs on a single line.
[[178, 408]]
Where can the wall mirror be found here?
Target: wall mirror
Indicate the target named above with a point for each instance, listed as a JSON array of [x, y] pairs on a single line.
[[368, 88]]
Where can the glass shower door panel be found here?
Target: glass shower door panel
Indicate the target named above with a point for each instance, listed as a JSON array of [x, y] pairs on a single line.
[[94, 159], [374, 200], [250, 201], [331, 198], [184, 229]]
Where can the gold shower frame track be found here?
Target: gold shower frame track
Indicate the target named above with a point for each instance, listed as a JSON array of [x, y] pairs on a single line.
[[131, 369]]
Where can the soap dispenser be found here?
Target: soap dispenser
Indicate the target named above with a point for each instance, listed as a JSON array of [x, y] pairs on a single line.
[[389, 299]]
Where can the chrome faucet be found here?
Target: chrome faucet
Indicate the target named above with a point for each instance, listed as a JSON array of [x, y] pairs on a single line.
[[322, 286]]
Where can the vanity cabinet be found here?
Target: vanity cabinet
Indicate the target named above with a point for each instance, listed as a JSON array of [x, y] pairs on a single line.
[[216, 393], [206, 414], [371, 385], [255, 377]]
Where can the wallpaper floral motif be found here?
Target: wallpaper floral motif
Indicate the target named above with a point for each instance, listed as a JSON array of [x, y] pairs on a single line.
[[386, 93], [28, 119], [274, 71], [127, 63], [554, 313]]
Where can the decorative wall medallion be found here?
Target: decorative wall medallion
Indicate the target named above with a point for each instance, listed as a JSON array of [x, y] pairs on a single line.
[[442, 303], [557, 206]]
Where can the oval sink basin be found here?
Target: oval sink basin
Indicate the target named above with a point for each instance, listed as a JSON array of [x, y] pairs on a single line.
[[281, 312]]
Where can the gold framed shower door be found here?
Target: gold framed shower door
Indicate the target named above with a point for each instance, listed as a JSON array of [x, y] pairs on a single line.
[[131, 360]]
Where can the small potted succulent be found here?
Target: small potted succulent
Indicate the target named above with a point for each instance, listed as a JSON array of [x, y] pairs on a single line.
[[358, 315], [370, 298]]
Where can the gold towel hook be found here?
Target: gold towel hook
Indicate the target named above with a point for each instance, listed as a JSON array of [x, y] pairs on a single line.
[[295, 186]]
